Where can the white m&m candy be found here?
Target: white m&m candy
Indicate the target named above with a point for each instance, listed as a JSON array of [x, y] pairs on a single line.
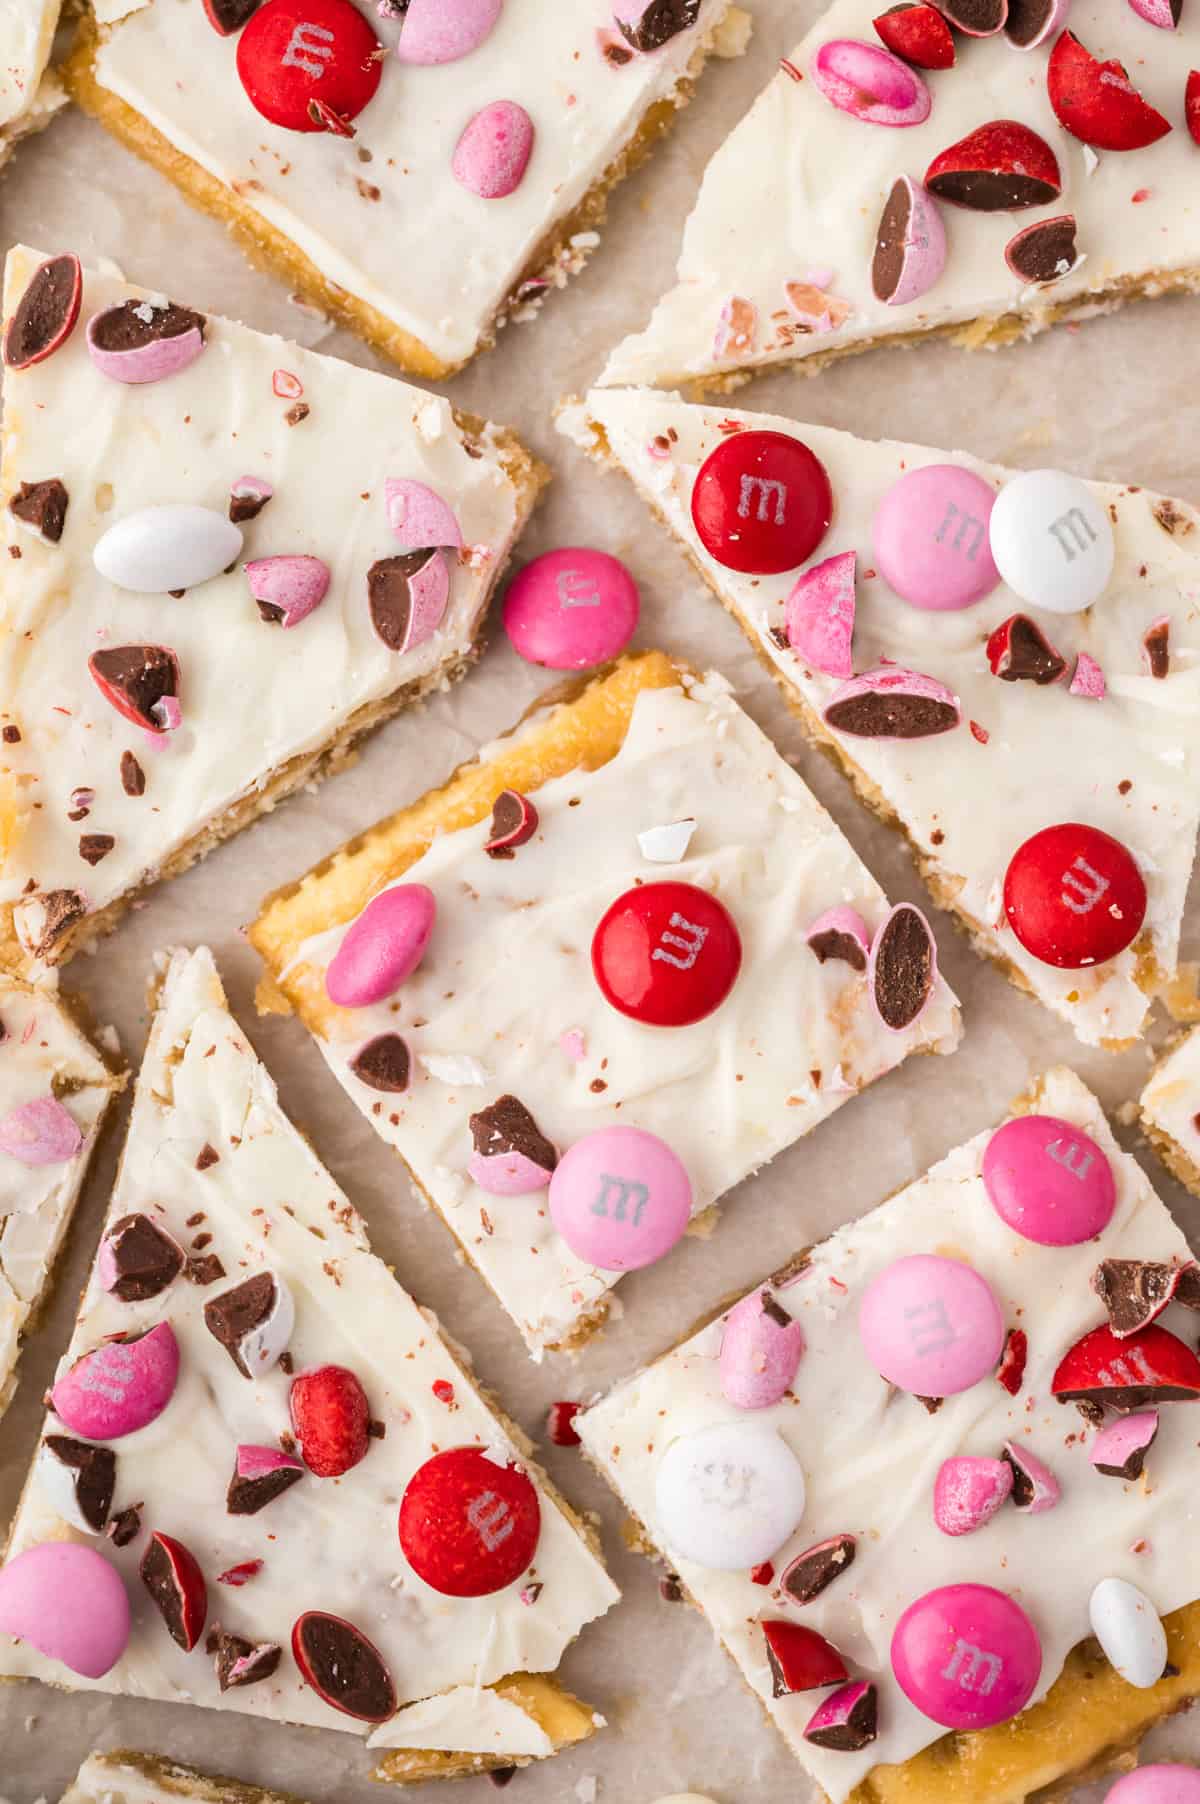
[[1052, 541], [729, 1496]]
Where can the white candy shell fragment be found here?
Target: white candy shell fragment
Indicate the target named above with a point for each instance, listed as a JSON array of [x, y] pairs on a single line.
[[667, 844]]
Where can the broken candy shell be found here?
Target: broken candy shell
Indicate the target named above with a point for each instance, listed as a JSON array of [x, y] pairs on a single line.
[[892, 703], [762, 502], [512, 1156], [248, 495], [998, 168], [137, 680], [995, 1656], [158, 549], [241, 1662], [419, 517], [910, 244], [1019, 651], [382, 947], [491, 157], [1096, 101], [1052, 540], [260, 1475], [800, 1659], [667, 844], [1049, 1180], [1088, 679], [1135, 1291], [127, 347], [1191, 105], [307, 65], [514, 823], [1129, 1630], [1074, 896], [1044, 251], [443, 31], [1149, 1367], [814, 1570], [649, 24], [620, 1198], [870, 83], [1162, 1783], [345, 1670], [287, 589], [120, 1387], [847, 1721], [1011, 1370], [1034, 1488], [571, 609], [77, 1480], [919, 34], [760, 1352], [727, 1497], [41, 1132], [840, 933], [469, 1525], [228, 16], [967, 1492], [172, 1576], [46, 313], [407, 597], [977, 18], [931, 1325], [138, 1259], [930, 535], [1033, 22], [902, 972], [68, 1602], [819, 615], [254, 1322], [1120, 1448]]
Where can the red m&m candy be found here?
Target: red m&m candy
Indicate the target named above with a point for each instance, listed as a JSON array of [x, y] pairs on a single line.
[[302, 62], [468, 1525], [1074, 896], [762, 503], [666, 954]]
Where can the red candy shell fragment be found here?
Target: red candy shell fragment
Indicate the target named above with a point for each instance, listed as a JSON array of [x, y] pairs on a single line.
[[514, 823], [998, 168], [762, 503], [919, 34], [1074, 896], [294, 53], [1097, 103], [46, 313], [469, 1526], [1011, 1370], [344, 1669], [819, 617], [136, 679], [1191, 105], [172, 1576], [1019, 651], [1151, 1366], [800, 1659], [870, 83]]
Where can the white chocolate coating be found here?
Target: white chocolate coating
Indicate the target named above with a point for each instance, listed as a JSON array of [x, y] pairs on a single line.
[[1171, 1100], [26, 34], [113, 1779], [796, 192], [871, 1454], [1133, 768], [327, 1544], [508, 973]]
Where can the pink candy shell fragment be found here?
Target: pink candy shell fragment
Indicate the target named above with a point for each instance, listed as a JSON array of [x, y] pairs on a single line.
[[493, 153], [429, 591], [870, 83], [41, 1132], [119, 1387], [259, 1462], [68, 1602], [924, 256], [150, 362], [290, 587], [382, 947], [443, 31], [908, 685], [842, 920], [419, 517], [968, 1492], [835, 1711], [760, 1353], [1123, 1440], [1158, 12], [819, 617], [736, 328], [1035, 1488], [1088, 679], [507, 1174]]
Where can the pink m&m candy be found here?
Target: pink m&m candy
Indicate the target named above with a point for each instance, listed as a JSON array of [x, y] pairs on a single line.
[[383, 947], [122, 1386], [931, 538], [967, 1656], [931, 1325], [571, 609], [1049, 1180], [69, 1603], [1160, 1784], [444, 31], [620, 1198], [41, 1132]]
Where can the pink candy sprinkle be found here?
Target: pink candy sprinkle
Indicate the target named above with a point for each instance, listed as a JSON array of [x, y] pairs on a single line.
[[1088, 679], [573, 1044], [287, 386], [736, 328], [41, 1132]]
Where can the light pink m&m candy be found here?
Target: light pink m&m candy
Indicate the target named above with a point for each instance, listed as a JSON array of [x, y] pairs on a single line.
[[41, 1132], [443, 31], [121, 1386], [1049, 1181], [931, 1325], [571, 609], [69, 1603], [383, 947], [1160, 1784], [931, 538], [620, 1198], [493, 153], [967, 1656]]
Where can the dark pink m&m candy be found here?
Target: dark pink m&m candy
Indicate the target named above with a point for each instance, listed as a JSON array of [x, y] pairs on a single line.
[[571, 609], [1049, 1181], [967, 1656], [1074, 896], [666, 954], [762, 503], [308, 63]]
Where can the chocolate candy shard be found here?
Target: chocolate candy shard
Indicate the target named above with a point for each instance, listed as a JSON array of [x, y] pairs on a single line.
[[248, 495], [800, 1659], [383, 1064], [342, 1667], [60, 909], [176, 1585], [891, 703], [133, 777], [405, 594], [241, 1662], [1000, 167], [1149, 1367], [138, 1259], [43, 507], [131, 325], [135, 678], [260, 1475], [1119, 1451], [514, 822], [812, 1571], [506, 1126], [1045, 251], [228, 17], [46, 313], [976, 18], [1019, 651], [846, 1722], [1135, 1291], [253, 1322], [90, 1475], [126, 1525], [659, 22], [844, 948], [903, 967], [1157, 646]]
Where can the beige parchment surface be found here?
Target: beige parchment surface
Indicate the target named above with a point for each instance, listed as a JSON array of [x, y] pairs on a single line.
[[1113, 399]]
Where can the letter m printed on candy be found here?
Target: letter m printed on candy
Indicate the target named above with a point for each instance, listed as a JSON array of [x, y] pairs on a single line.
[[765, 489], [309, 48], [973, 1669], [687, 937], [626, 1189]]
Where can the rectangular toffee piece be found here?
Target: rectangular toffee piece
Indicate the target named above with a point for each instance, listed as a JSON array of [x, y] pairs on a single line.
[[30, 92], [652, 963], [896, 179], [228, 558], [869, 1476], [128, 1777], [265, 1478], [1005, 664], [55, 1090], [420, 170]]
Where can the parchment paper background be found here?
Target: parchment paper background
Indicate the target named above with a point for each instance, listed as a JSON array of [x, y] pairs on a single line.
[[1113, 399]]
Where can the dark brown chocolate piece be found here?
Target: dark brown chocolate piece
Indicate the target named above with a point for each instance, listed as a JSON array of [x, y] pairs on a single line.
[[661, 21], [233, 1315], [246, 507], [93, 1476], [812, 1572], [246, 1496], [506, 1126], [891, 714], [1158, 649], [241, 1662], [833, 944], [45, 313], [887, 266], [95, 846], [42, 505], [1026, 21], [389, 595], [1030, 656], [137, 676], [383, 1064], [203, 1268], [344, 1669], [228, 16], [1044, 252], [133, 777], [61, 908], [126, 1525], [126, 327], [905, 963], [1134, 1291], [978, 18], [144, 1257]]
